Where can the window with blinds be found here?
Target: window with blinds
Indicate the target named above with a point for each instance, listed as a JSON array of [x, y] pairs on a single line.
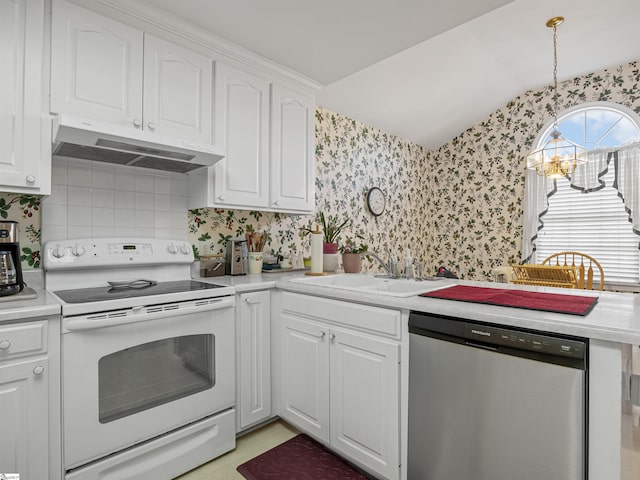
[[595, 223]]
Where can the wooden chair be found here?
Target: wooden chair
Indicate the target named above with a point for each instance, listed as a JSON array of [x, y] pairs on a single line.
[[584, 263]]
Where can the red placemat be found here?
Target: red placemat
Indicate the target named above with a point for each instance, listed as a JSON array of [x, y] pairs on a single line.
[[548, 302]]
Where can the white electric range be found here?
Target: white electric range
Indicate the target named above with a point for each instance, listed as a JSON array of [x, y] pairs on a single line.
[[148, 358]]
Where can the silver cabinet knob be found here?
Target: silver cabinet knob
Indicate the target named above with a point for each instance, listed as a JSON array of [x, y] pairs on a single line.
[[276, 203], [30, 179], [332, 336], [250, 301], [39, 370], [221, 198], [137, 123], [151, 126], [5, 344]]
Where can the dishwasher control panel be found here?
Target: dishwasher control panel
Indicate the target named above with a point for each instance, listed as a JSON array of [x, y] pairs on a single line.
[[525, 341]]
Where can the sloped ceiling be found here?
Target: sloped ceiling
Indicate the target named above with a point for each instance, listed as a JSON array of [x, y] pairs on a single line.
[[423, 70]]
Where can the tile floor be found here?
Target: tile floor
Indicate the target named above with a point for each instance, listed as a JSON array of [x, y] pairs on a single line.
[[259, 441], [630, 449], [247, 447]]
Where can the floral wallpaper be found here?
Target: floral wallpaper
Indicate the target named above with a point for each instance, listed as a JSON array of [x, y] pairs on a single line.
[[477, 188], [459, 206], [350, 159], [24, 209]]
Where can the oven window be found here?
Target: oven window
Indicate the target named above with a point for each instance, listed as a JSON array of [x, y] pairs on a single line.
[[151, 374]]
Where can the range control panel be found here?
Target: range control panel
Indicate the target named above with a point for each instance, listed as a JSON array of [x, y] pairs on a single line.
[[114, 252]]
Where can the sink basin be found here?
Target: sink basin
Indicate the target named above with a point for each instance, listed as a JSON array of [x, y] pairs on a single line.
[[346, 280], [393, 287]]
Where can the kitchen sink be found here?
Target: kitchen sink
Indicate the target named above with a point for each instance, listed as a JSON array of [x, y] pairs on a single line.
[[393, 287]]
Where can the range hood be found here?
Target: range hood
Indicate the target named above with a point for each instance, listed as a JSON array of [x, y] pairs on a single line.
[[103, 142]]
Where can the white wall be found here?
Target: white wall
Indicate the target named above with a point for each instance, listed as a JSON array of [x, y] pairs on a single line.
[[93, 199]]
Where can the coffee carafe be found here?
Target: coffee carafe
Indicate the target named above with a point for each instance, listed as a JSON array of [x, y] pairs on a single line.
[[10, 268]]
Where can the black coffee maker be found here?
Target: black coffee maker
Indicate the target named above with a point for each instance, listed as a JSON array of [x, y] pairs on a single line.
[[10, 268]]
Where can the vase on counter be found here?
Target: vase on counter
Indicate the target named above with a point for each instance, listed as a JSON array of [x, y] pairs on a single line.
[[329, 257], [328, 248], [330, 262], [351, 262]]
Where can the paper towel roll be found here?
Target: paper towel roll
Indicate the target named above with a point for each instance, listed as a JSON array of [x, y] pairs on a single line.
[[316, 251]]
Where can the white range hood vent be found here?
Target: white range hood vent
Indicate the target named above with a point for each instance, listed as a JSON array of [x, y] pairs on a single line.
[[102, 142]]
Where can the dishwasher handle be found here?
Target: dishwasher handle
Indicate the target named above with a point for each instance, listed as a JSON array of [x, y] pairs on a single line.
[[480, 345]]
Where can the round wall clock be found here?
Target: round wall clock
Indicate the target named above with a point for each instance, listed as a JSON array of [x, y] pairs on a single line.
[[376, 201]]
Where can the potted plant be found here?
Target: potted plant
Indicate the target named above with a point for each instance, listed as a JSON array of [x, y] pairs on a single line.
[[351, 251], [331, 228]]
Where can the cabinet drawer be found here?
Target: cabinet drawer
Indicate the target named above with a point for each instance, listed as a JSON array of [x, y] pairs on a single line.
[[363, 317], [19, 339]]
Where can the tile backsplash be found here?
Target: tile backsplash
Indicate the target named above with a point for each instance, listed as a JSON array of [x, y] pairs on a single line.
[[93, 199]]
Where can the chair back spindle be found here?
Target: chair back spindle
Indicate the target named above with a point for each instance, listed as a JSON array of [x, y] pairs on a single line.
[[585, 266]]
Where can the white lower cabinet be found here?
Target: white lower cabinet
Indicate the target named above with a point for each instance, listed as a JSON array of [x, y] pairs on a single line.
[[29, 442], [341, 384], [24, 415], [253, 383]]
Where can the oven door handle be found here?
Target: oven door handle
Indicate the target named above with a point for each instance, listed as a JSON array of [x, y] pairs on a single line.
[[80, 324]]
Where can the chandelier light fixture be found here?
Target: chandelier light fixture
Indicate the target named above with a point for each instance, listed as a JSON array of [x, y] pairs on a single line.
[[558, 157]]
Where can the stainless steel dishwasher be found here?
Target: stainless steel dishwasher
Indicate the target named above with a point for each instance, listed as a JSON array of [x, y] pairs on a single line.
[[494, 403]]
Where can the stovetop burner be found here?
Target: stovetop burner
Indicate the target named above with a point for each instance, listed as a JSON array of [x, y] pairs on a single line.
[[99, 294]]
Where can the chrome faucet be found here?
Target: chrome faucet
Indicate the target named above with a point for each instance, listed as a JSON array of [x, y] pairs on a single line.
[[389, 267]]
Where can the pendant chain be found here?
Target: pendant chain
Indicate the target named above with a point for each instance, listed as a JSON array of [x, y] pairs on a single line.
[[555, 76]]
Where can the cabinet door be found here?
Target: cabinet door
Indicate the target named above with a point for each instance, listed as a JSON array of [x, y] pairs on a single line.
[[292, 150], [25, 165], [254, 358], [242, 123], [96, 66], [305, 376], [177, 91], [365, 404], [24, 419]]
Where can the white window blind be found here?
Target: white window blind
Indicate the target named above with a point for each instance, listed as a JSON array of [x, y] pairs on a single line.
[[594, 223]]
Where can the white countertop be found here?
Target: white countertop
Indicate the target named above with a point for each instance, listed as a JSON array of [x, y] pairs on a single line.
[[19, 309], [250, 283], [615, 317]]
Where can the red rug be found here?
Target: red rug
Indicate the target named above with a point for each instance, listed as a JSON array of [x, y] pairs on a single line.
[[548, 302], [300, 458]]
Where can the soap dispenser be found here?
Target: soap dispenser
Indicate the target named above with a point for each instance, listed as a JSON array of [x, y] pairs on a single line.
[[408, 264]]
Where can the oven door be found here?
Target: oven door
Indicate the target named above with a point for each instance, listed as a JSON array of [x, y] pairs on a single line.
[[133, 374]]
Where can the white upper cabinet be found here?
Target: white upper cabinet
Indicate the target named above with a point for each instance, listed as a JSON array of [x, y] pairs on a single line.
[[25, 160], [104, 70], [241, 179], [177, 91], [292, 150], [267, 131], [96, 66]]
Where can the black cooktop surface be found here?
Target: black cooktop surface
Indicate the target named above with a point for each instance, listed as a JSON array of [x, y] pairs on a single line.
[[99, 294]]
